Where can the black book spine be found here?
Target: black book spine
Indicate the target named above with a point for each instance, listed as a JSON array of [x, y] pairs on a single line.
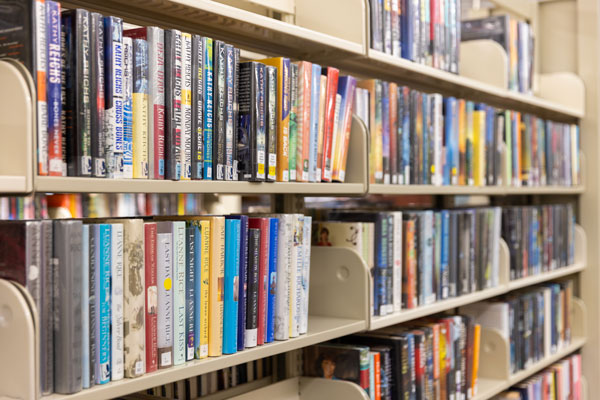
[[463, 253], [173, 53], [97, 95], [246, 133], [17, 41], [236, 109], [473, 243], [252, 283], [197, 107], [271, 120], [219, 113]]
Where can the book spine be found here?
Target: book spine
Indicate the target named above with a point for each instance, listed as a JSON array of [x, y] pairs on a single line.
[[284, 258], [103, 277], [305, 277], [133, 298], [283, 125], [156, 103], [248, 113], [295, 274], [236, 109], [186, 107], [397, 261], [179, 268], [197, 107], [217, 275], [140, 109], [385, 131], [202, 346], [41, 66], [173, 54], [85, 294], [151, 297], [229, 125], [54, 66], [190, 290], [127, 108], [113, 90], [294, 110], [243, 278], [263, 225], [220, 61], [303, 139], [272, 278], [97, 88], [320, 134], [260, 167], [46, 320], [165, 300], [116, 302], [195, 307], [208, 113], [271, 122], [329, 131], [340, 155], [232, 271], [393, 132], [314, 122], [252, 295]]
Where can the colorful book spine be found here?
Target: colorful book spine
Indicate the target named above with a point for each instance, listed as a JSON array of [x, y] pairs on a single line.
[[315, 87], [406, 165], [437, 168], [198, 101], [252, 283], [272, 278], [243, 276], [271, 122], [330, 103], [284, 260], [90, 303], [208, 113], [385, 131], [303, 128], [186, 107], [151, 297], [97, 88], [41, 66], [103, 276], [262, 224], [173, 84], [165, 299], [127, 108], [156, 102], [202, 289], [54, 67], [229, 109], [140, 108], [191, 242], [179, 268], [216, 277], [232, 271], [294, 109], [116, 302], [305, 278], [113, 111], [220, 97]]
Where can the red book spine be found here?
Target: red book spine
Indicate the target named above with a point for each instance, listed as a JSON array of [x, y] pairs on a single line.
[[263, 267], [408, 275], [377, 366], [151, 297], [420, 361], [393, 95], [333, 75]]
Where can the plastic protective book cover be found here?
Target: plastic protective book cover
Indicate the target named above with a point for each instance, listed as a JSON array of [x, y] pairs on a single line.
[[376, 24], [304, 279], [140, 108], [243, 276], [338, 361], [13, 252], [315, 106], [341, 136], [202, 264], [186, 107], [190, 289], [198, 101], [151, 296], [406, 129], [230, 69], [303, 120], [251, 333], [294, 110], [295, 276], [329, 122], [46, 320], [393, 131], [236, 109], [53, 84], [409, 284], [320, 134], [219, 98], [179, 296], [67, 302], [85, 310], [165, 299], [262, 224], [40, 71], [385, 132], [127, 108], [18, 21], [75, 24], [231, 291], [271, 122], [173, 125], [208, 88], [272, 278], [284, 262], [116, 303], [113, 101], [102, 251], [97, 97]]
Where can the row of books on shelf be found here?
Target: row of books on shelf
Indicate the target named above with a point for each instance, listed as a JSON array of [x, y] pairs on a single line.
[[515, 37], [426, 138], [424, 31], [164, 104], [419, 257], [133, 295], [539, 238], [536, 322], [560, 381], [435, 358]]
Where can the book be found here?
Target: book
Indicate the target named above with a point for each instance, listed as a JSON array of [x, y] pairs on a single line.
[[284, 262], [271, 105], [198, 104], [321, 119], [208, 110], [53, 85], [294, 109], [192, 245], [295, 273], [103, 252], [179, 295], [303, 119], [219, 97], [231, 290], [243, 276], [304, 281], [272, 278], [329, 123], [19, 18], [151, 295], [165, 299], [313, 142], [173, 117], [40, 61], [97, 98], [186, 106], [116, 302], [230, 74], [203, 252], [46, 320], [251, 339], [262, 224], [140, 109], [127, 108]]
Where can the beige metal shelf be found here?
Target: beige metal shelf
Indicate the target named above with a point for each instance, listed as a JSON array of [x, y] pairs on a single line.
[[379, 188], [544, 277], [303, 388]]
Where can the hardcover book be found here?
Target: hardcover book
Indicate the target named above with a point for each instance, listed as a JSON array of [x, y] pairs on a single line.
[[173, 116], [219, 97], [252, 283], [303, 119], [53, 89], [191, 246], [127, 108], [140, 109], [208, 88], [164, 313], [271, 104], [151, 295], [262, 224], [198, 102], [272, 278], [116, 303], [103, 253], [186, 106], [315, 104], [231, 290]]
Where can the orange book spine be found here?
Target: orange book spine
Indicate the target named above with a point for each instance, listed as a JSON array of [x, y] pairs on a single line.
[[476, 345], [377, 366], [409, 290], [333, 75]]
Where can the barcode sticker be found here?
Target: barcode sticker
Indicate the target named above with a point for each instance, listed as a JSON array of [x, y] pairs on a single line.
[[165, 359]]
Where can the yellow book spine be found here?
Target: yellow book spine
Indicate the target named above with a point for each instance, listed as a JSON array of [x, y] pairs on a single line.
[[476, 345], [215, 291], [204, 286]]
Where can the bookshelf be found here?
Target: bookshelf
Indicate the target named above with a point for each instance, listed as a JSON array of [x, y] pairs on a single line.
[[339, 294]]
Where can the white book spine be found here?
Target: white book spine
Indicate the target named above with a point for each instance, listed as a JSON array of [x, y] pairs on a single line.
[[303, 325], [296, 274], [179, 346], [397, 257], [186, 107], [113, 116], [85, 311], [165, 300], [40, 67], [127, 108], [282, 298], [156, 102], [117, 302]]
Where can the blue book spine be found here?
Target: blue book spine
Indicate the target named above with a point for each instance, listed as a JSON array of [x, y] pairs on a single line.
[[208, 107], [241, 328], [53, 88], [127, 108], [232, 272], [445, 249], [405, 136], [190, 290], [179, 270], [103, 265], [273, 249], [314, 122], [197, 284], [85, 311], [448, 133], [489, 146]]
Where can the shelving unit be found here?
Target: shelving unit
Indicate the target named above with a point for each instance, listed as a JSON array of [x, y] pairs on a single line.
[[339, 288]]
